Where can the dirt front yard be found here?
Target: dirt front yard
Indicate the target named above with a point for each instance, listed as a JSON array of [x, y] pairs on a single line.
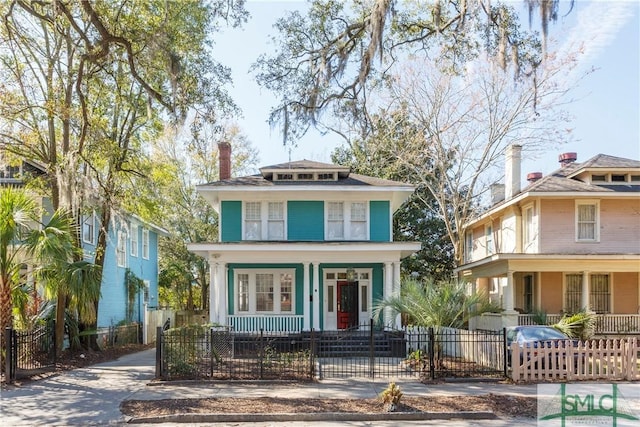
[[501, 405]]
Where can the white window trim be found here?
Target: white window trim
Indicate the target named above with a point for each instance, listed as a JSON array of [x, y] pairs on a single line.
[[121, 249], [346, 220], [529, 231], [579, 203], [276, 291], [468, 246], [264, 219], [133, 250], [145, 243], [92, 219]]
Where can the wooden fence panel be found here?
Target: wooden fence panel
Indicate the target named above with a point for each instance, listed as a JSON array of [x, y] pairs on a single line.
[[610, 359]]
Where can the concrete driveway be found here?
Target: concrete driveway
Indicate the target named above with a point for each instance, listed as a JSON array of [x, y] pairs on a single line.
[[88, 396]]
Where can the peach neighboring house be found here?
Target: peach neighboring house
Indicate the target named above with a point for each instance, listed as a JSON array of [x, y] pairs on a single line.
[[567, 241]]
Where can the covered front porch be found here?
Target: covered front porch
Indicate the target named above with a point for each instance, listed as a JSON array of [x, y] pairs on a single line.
[[528, 285], [298, 287]]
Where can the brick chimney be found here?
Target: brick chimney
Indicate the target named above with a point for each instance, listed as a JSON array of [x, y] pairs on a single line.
[[224, 155], [566, 159], [512, 170]]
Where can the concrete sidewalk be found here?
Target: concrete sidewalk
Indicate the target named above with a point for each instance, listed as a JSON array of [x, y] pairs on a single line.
[[92, 395]]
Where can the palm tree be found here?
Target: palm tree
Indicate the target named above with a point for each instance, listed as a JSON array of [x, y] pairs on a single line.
[[24, 239], [437, 305]]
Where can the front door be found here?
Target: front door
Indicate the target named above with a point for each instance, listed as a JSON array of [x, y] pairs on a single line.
[[347, 304]]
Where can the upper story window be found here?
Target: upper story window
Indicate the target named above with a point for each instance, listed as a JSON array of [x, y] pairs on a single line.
[[488, 233], [587, 221], [89, 228], [529, 225], [264, 221], [145, 243], [121, 249], [468, 246], [347, 221], [134, 240], [327, 176]]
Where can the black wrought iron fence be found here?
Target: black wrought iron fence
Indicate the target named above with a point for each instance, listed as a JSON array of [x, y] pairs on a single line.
[[29, 352], [200, 352]]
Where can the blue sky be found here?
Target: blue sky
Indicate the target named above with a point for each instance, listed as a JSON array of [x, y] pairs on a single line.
[[606, 112]]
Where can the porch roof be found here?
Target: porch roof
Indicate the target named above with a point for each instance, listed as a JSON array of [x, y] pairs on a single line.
[[499, 265], [278, 252]]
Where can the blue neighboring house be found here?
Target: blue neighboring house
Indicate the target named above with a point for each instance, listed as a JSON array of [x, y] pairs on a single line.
[[131, 244], [302, 245]]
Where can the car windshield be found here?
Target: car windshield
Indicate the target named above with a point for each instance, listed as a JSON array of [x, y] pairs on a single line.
[[541, 334]]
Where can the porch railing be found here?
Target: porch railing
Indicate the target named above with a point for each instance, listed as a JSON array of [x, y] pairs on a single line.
[[604, 323], [286, 324]]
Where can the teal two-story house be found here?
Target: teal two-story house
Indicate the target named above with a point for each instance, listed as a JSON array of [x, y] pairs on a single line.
[[302, 245]]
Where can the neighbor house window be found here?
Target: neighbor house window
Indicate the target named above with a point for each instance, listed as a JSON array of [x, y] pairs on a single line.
[[134, 240], [488, 233], [335, 220], [89, 228], [265, 291], [468, 246], [600, 293], [145, 243], [528, 230], [587, 219], [121, 250], [146, 291]]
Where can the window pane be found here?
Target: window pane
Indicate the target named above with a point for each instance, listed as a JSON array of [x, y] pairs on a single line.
[[252, 211], [336, 211], [335, 230], [276, 230], [358, 211], [358, 230], [330, 298], [253, 230], [264, 292], [276, 210], [286, 289], [586, 222], [243, 292], [586, 213], [364, 298]]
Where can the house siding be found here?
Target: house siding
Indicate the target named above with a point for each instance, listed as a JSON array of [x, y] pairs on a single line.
[[551, 287], [626, 287], [619, 228], [231, 221], [380, 222], [305, 220]]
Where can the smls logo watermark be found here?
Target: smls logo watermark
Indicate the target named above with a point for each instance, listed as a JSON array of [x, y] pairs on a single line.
[[572, 405]]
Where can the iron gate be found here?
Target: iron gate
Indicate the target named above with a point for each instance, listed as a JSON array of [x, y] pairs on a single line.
[[29, 352]]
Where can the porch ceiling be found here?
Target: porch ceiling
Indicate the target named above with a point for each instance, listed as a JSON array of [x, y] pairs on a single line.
[[499, 265], [287, 252]]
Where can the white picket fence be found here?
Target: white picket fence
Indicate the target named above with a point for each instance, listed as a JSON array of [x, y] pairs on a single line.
[[610, 359]]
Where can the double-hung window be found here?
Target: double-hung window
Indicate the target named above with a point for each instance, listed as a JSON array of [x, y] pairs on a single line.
[[275, 221], [335, 221], [600, 293], [121, 249], [145, 243], [529, 229], [134, 240], [573, 293], [358, 226], [252, 221], [587, 221], [468, 246], [488, 233]]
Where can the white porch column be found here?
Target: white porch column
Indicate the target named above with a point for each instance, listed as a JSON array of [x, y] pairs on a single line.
[[306, 321], [388, 289], [585, 302], [316, 295], [222, 281], [213, 292], [509, 316], [396, 289]]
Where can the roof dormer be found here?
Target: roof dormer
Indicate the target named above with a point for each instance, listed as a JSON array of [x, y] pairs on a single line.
[[305, 170]]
